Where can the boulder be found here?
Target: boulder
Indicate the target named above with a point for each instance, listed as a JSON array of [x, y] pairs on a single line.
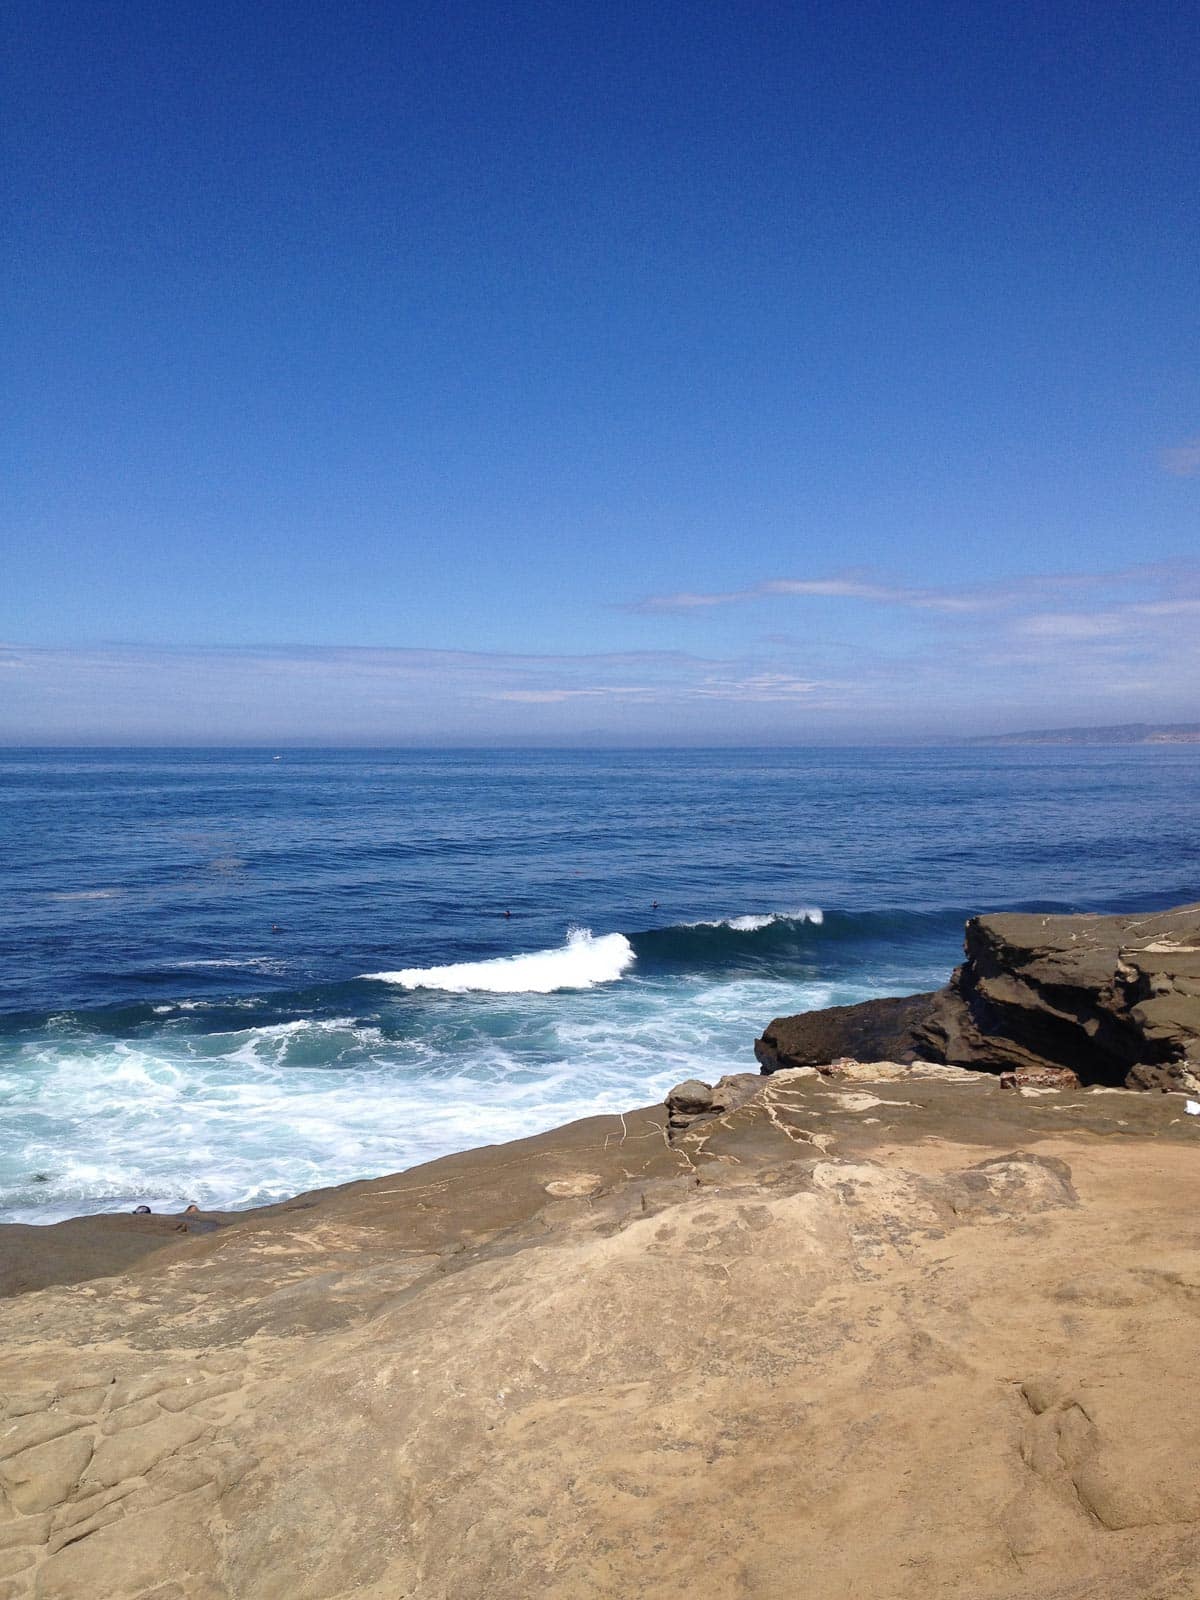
[[1175, 1077], [693, 1100], [876, 1030], [690, 1097]]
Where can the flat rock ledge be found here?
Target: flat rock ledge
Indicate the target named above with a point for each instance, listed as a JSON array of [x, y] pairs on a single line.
[[1109, 1000], [890, 1330]]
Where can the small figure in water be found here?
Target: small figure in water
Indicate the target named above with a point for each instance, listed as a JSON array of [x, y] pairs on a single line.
[[142, 1211], [654, 905], [192, 1210], [275, 928], [507, 915]]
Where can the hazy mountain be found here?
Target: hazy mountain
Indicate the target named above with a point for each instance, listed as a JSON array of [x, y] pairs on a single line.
[[1115, 733]]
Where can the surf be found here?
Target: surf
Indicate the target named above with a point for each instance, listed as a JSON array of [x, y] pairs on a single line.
[[581, 963], [753, 922]]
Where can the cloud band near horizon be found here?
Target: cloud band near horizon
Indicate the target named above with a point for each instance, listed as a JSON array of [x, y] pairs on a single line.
[[1043, 659]]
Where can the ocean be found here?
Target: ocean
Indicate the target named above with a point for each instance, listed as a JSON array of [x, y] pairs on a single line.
[[228, 976]]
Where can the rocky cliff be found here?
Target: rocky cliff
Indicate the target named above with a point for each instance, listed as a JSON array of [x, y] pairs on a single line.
[[1114, 1000]]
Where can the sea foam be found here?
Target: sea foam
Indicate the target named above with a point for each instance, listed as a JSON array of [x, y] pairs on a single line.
[[243, 1117], [581, 963]]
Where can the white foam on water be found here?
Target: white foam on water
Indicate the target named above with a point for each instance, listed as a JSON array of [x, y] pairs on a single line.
[[581, 963], [241, 1118], [753, 921], [301, 1025]]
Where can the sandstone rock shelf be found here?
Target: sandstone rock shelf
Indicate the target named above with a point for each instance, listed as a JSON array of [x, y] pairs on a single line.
[[897, 1333]]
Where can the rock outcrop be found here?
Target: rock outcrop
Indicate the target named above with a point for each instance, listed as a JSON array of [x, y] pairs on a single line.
[[876, 1030], [896, 1333], [1114, 1000]]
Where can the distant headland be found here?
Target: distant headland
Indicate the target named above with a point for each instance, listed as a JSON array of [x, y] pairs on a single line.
[[1115, 733]]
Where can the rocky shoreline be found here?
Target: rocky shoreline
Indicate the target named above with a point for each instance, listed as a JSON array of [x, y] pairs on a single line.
[[1110, 1000], [879, 1325]]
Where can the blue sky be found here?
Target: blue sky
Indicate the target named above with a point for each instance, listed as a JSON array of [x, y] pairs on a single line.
[[410, 373]]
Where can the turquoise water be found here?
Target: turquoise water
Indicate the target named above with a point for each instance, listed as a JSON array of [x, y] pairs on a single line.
[[227, 976]]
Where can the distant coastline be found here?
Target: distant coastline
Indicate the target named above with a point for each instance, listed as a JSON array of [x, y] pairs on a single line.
[[1116, 733]]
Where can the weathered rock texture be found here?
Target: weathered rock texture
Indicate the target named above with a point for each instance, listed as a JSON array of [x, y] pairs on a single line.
[[876, 1030], [1114, 1000], [899, 1334]]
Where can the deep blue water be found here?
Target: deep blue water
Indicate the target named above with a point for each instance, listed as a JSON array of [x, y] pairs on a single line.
[[184, 935]]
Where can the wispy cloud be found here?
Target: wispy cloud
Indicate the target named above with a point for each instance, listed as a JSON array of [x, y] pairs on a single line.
[[1024, 593], [821, 588], [141, 694], [1067, 625], [685, 600], [554, 697], [1182, 460], [763, 688], [895, 594], [1067, 649]]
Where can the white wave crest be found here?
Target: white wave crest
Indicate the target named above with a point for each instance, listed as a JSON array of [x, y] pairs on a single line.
[[581, 963], [752, 923]]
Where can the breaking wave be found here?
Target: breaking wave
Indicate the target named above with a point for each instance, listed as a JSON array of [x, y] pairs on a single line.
[[586, 960], [581, 963], [238, 1100], [753, 922]]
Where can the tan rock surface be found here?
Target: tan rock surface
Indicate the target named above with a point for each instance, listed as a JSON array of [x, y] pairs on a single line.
[[884, 1337]]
